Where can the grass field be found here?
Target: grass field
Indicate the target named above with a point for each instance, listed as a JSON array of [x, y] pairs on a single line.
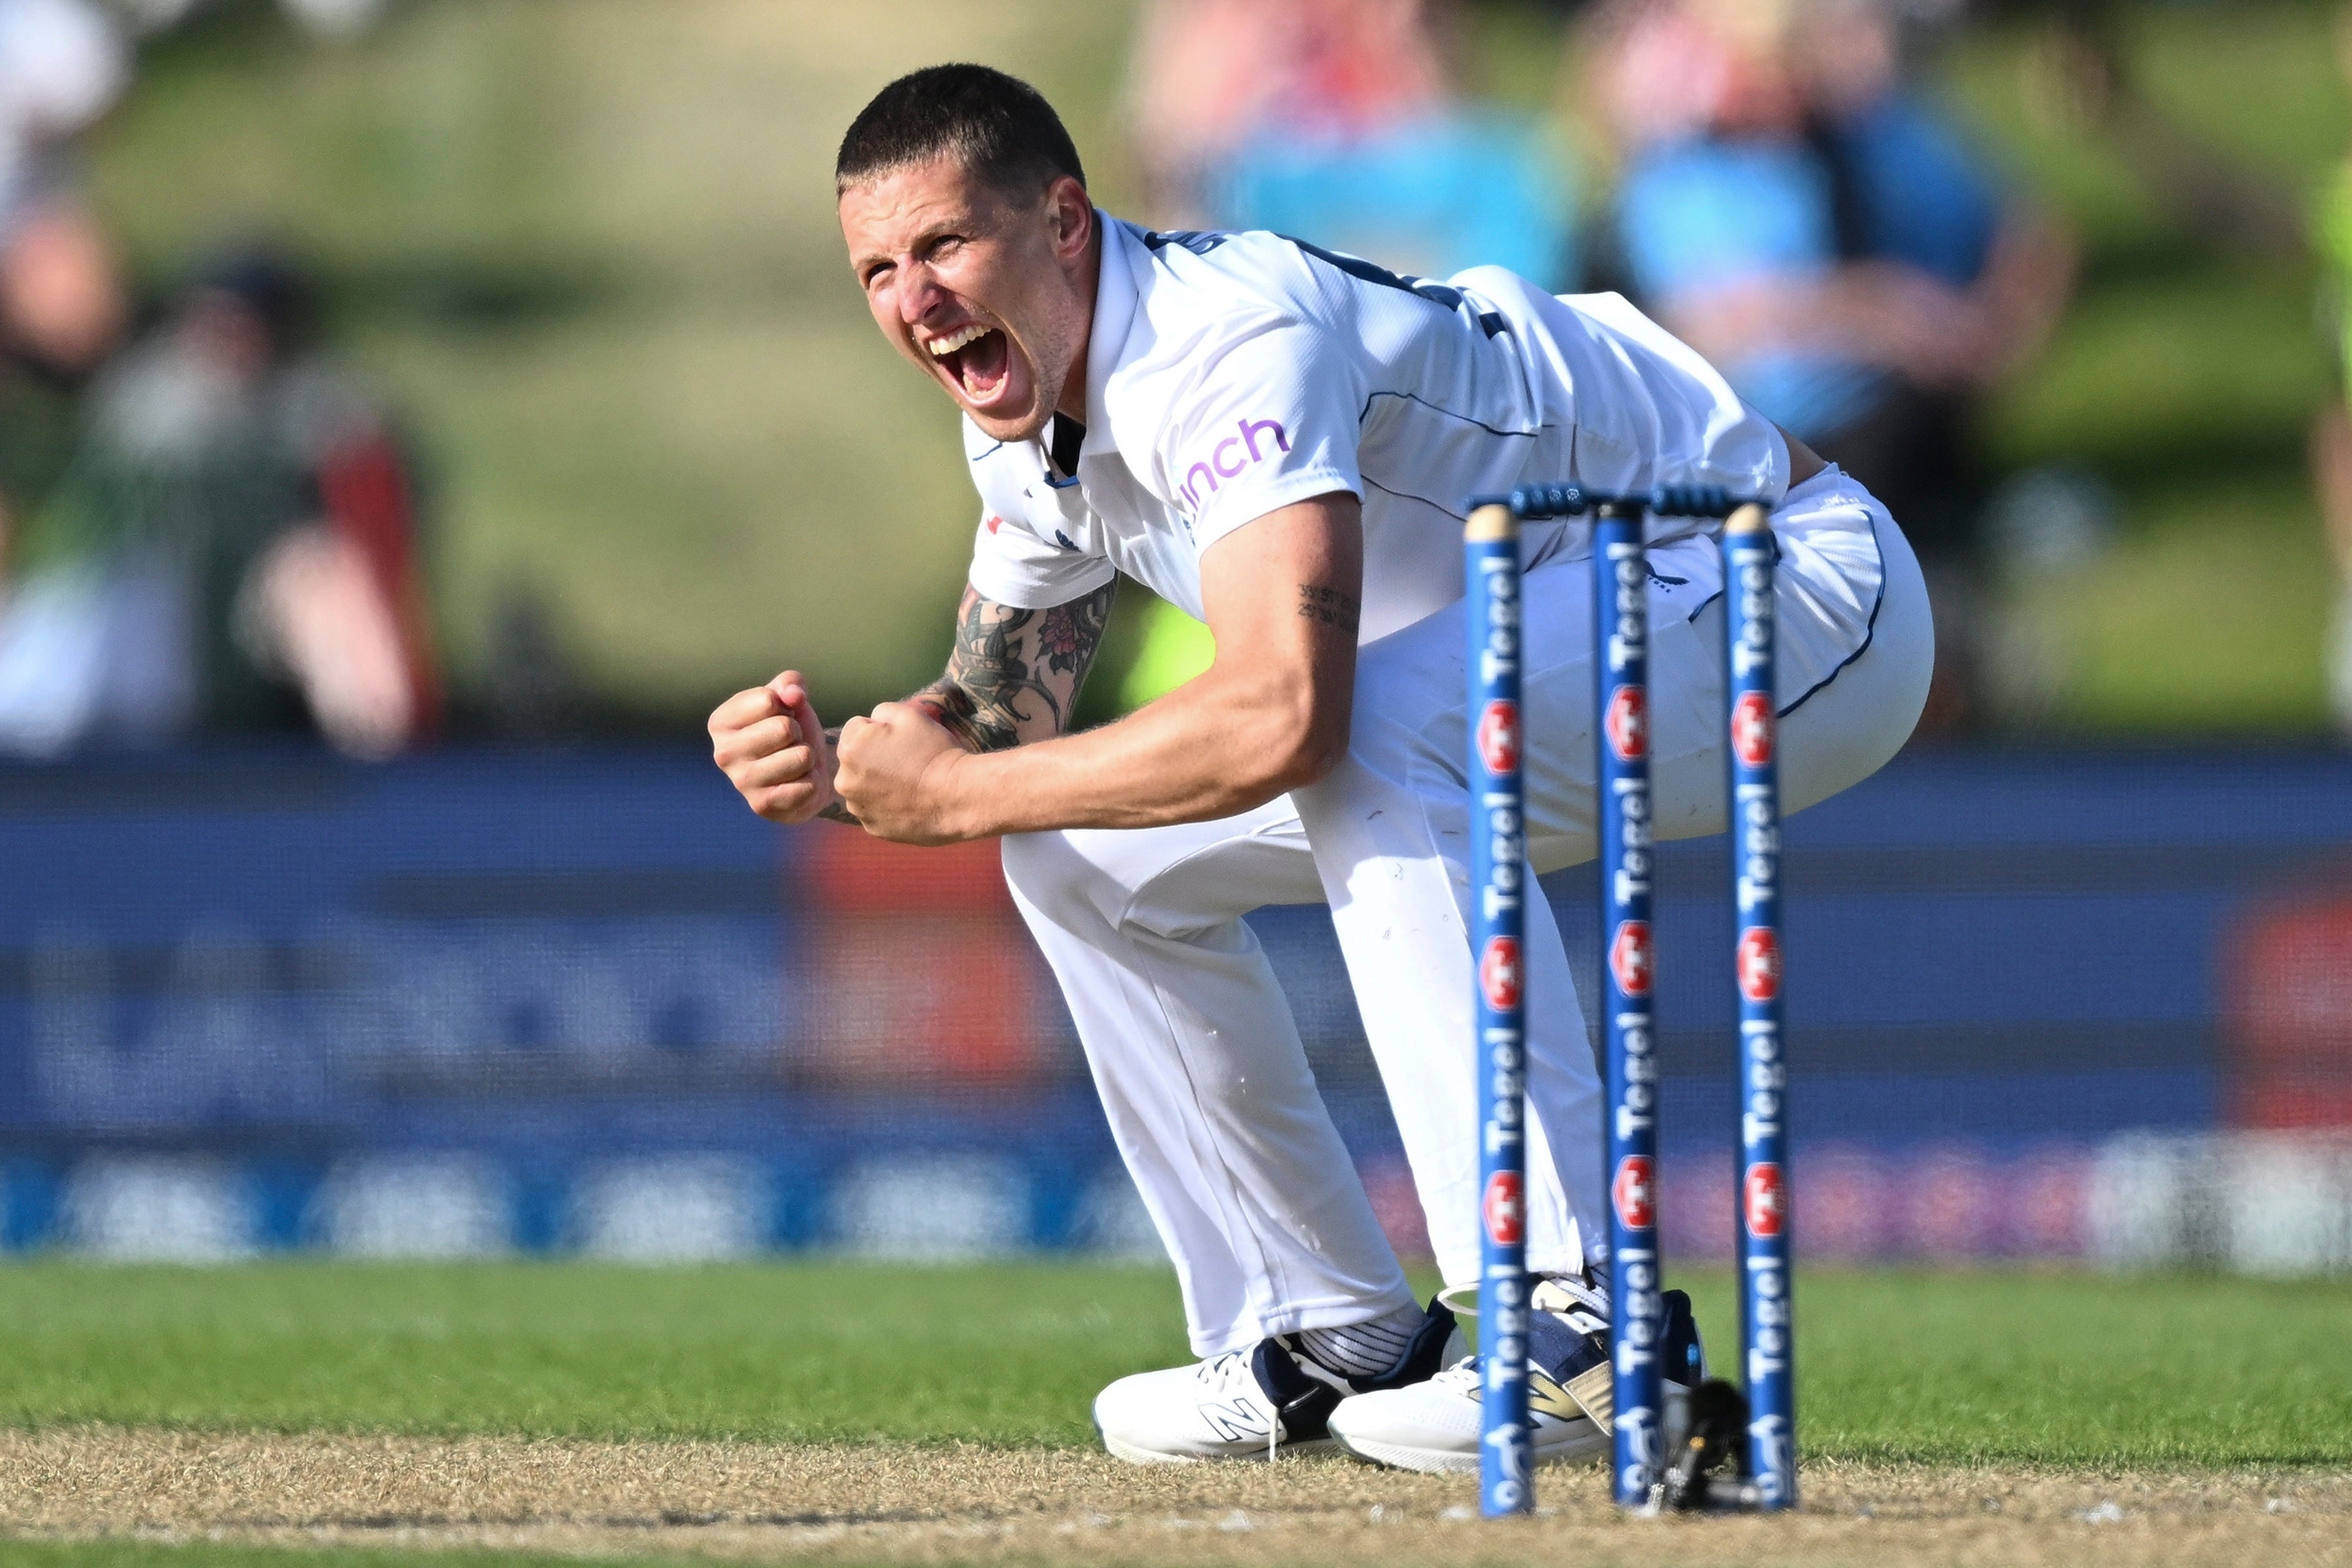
[[866, 1414], [1927, 1368]]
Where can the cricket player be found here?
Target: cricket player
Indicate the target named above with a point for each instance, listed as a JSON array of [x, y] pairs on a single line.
[[1281, 440]]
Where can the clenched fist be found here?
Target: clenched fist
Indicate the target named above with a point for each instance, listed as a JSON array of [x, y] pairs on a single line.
[[895, 773], [770, 745]]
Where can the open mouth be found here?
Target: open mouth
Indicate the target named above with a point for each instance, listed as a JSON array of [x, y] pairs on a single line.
[[978, 357]]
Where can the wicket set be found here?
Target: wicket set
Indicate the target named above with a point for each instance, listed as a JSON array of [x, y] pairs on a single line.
[[1501, 880]]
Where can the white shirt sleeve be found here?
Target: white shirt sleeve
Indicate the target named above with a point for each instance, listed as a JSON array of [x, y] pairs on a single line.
[[1272, 417], [1012, 565]]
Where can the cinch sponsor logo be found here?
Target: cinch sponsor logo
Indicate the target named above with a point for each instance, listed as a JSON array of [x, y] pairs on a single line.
[[1499, 973], [1751, 730], [1765, 1200], [1760, 963], [1225, 459], [1498, 736], [1635, 1192], [994, 522], [1629, 957], [1627, 723], [1505, 1208]]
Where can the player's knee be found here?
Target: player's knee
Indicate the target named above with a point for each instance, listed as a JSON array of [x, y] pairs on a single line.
[[1052, 875], [1041, 869]]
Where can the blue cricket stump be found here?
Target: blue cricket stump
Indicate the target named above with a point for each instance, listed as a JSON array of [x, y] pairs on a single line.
[[1500, 881], [1622, 703], [1749, 555]]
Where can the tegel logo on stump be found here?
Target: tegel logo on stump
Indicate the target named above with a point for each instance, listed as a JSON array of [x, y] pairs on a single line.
[[1260, 438]]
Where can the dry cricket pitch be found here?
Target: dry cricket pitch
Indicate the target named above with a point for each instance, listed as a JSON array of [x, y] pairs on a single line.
[[890, 1504]]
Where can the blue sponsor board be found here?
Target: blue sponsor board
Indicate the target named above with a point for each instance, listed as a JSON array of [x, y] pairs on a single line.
[[550, 963]]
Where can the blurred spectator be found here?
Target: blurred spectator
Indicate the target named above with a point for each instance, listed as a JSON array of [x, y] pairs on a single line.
[[61, 312], [61, 307], [1211, 74], [61, 66], [233, 542], [1335, 122], [1801, 215]]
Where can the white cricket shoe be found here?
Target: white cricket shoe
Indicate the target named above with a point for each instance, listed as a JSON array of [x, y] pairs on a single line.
[[1247, 1404], [1435, 1426]]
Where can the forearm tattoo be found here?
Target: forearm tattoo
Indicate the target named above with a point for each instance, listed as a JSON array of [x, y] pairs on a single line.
[[1329, 606], [1015, 674]]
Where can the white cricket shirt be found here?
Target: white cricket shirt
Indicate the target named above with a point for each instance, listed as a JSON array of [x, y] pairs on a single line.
[[1232, 374]]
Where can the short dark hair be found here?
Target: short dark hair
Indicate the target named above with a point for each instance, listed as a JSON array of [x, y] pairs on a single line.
[[997, 126]]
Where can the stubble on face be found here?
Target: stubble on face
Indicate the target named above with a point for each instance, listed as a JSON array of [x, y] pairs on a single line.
[[990, 295]]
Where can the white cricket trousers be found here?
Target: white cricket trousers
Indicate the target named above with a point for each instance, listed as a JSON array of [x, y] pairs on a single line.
[[1189, 1035]]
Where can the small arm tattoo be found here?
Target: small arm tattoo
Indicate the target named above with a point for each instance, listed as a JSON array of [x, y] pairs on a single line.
[[1015, 674], [1329, 606], [837, 812]]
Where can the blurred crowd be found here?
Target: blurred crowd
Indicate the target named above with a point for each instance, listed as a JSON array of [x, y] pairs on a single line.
[[1776, 181], [206, 526], [209, 524], [1768, 179]]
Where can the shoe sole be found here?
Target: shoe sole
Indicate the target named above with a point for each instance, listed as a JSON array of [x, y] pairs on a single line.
[[1567, 1446], [1135, 1456]]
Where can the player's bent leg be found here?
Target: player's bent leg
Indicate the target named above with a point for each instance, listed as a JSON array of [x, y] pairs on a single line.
[[1201, 1071], [1392, 859], [1392, 832], [1292, 1294]]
